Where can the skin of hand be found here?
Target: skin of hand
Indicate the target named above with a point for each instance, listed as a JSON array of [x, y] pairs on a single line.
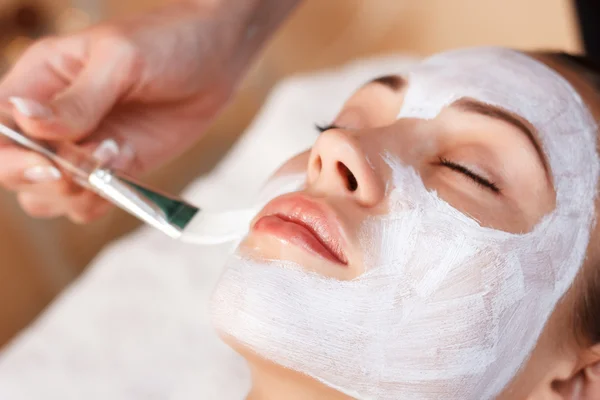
[[133, 93]]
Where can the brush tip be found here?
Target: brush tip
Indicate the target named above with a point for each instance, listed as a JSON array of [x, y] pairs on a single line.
[[209, 228]]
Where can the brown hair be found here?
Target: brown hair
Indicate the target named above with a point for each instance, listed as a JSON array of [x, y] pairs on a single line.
[[586, 314]]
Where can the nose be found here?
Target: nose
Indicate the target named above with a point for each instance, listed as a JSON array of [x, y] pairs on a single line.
[[338, 166]]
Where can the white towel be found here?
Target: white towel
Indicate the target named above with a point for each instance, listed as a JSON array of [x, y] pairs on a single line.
[[135, 324]]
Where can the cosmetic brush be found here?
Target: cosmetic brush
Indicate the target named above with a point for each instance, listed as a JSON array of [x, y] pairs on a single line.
[[169, 214]]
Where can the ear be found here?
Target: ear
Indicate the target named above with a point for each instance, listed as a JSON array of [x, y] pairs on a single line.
[[584, 384]]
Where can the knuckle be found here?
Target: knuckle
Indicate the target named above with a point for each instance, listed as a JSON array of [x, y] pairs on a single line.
[[131, 59], [118, 43], [117, 40]]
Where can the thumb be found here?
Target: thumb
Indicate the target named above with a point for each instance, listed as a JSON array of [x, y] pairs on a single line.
[[77, 110]]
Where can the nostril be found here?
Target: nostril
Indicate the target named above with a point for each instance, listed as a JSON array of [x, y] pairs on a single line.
[[351, 182], [318, 164]]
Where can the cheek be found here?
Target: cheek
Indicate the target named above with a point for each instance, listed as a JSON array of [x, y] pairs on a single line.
[[294, 165]]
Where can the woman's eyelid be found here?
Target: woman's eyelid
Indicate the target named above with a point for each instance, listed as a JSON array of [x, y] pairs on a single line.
[[475, 169], [322, 128], [470, 171], [479, 158]]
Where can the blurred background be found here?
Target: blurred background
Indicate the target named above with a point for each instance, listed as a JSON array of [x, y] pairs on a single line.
[[40, 258]]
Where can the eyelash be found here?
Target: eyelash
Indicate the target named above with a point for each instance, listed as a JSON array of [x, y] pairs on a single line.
[[470, 174], [442, 161], [323, 128]]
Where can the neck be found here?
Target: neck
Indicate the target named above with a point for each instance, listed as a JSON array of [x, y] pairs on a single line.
[[274, 382]]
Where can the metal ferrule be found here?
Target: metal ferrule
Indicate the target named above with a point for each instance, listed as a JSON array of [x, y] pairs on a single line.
[[166, 213]]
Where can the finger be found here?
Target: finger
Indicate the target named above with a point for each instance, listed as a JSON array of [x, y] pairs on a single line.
[[39, 206], [46, 68], [80, 208], [22, 168], [78, 109], [61, 189]]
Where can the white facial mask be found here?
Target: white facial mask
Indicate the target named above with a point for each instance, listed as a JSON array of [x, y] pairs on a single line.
[[447, 309]]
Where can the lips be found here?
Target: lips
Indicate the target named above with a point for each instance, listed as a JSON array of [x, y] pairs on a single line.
[[305, 223]]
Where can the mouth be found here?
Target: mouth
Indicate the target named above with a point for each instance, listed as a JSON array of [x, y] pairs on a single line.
[[305, 223]]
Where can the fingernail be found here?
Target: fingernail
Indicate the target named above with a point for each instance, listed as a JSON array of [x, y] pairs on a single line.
[[31, 108], [106, 151], [126, 157], [110, 153], [42, 174]]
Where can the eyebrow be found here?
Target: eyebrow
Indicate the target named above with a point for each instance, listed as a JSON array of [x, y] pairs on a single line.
[[470, 105], [393, 82]]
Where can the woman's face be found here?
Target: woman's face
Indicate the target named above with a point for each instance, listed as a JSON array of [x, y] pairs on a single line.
[[483, 161], [432, 235]]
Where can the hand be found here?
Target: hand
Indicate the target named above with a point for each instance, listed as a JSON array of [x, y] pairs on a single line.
[[135, 93]]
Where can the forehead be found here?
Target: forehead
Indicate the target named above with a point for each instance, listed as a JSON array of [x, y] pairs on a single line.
[[519, 84], [502, 77]]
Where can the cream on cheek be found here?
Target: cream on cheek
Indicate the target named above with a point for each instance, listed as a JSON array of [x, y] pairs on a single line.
[[446, 308]]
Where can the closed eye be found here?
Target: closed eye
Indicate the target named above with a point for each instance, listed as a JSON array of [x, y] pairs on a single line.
[[323, 128], [483, 182]]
